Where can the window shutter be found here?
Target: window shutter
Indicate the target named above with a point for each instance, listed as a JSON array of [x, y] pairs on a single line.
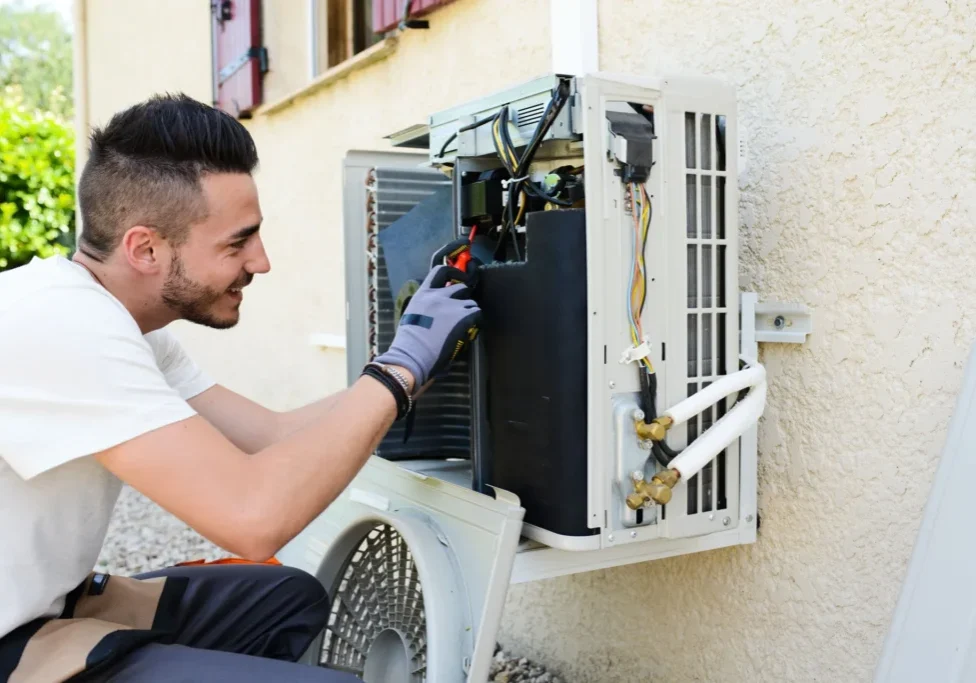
[[240, 60], [388, 13]]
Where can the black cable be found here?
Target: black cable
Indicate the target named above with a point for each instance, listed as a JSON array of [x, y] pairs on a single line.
[[648, 382], [536, 192], [552, 110], [660, 455]]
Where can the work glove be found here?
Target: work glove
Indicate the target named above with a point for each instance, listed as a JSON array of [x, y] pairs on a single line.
[[438, 322]]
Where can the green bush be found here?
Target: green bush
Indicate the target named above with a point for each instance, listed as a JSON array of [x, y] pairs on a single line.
[[37, 191]]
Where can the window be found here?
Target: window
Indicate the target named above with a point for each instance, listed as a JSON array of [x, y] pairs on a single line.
[[340, 30]]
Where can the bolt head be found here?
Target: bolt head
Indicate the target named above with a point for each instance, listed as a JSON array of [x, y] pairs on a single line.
[[726, 521], [637, 475], [749, 519], [610, 538], [779, 322], [638, 414], [633, 534], [613, 384], [711, 517]]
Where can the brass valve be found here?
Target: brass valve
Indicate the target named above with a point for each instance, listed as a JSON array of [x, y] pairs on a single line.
[[655, 431], [657, 489]]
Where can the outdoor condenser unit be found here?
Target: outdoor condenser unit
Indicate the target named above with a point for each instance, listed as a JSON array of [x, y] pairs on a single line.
[[606, 414]]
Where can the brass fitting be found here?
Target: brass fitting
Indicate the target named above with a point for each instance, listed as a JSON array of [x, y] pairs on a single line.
[[657, 489], [655, 431]]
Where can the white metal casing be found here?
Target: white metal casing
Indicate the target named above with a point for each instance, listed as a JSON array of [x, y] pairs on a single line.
[[691, 219], [667, 311]]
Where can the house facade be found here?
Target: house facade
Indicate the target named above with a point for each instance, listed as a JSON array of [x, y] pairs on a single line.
[[858, 199]]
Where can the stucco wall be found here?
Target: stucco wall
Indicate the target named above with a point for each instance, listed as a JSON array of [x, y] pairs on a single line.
[[860, 200], [134, 49]]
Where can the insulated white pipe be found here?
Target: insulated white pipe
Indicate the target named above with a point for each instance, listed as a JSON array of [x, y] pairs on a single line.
[[716, 391], [729, 428]]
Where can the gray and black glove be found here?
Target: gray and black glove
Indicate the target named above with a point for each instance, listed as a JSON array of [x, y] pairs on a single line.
[[438, 322]]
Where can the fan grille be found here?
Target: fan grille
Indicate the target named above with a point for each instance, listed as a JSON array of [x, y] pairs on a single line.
[[378, 590]]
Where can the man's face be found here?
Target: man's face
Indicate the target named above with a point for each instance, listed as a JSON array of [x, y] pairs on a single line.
[[220, 257]]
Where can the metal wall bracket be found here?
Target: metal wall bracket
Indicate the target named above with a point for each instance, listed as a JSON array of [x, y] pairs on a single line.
[[776, 321]]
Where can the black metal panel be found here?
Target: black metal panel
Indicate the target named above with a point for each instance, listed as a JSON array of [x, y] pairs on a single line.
[[535, 336]]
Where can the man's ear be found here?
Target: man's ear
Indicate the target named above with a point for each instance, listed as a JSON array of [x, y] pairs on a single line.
[[143, 249]]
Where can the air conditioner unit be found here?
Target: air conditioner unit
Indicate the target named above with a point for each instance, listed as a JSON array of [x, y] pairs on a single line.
[[606, 414]]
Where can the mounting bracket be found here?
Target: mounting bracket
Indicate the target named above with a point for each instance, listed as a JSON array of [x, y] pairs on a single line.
[[775, 321]]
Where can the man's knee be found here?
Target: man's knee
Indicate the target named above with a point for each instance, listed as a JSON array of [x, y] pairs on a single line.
[[305, 587], [306, 594]]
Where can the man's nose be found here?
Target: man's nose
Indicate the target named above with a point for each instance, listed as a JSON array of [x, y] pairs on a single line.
[[259, 263]]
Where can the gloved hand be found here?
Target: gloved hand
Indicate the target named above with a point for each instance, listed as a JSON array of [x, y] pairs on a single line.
[[440, 319]]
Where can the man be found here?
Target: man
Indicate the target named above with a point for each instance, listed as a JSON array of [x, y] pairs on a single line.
[[95, 391]]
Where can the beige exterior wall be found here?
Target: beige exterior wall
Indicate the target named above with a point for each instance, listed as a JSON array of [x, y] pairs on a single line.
[[858, 199]]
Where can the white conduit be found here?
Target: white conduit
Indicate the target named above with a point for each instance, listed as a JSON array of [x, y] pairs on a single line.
[[730, 427], [718, 437], [717, 390]]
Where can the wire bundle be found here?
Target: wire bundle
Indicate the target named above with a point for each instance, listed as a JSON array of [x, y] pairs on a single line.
[[518, 167], [641, 205], [641, 209]]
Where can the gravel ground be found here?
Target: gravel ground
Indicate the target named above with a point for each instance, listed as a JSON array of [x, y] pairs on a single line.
[[143, 537]]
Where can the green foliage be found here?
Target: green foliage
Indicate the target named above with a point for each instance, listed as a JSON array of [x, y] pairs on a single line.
[[36, 56], [37, 192]]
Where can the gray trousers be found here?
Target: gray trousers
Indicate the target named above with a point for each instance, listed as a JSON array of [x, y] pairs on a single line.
[[239, 623]]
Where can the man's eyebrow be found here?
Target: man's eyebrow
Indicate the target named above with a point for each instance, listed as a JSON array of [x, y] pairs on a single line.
[[244, 233]]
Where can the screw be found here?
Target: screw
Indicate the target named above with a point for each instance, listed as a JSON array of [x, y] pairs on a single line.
[[726, 521], [633, 534], [613, 384], [779, 322], [637, 475], [610, 538], [638, 414], [749, 519], [711, 517]]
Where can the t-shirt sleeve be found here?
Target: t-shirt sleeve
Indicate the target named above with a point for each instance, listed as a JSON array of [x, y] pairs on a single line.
[[181, 373], [79, 377]]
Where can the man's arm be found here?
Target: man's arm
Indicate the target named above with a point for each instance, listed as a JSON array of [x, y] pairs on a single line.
[[251, 426], [253, 504]]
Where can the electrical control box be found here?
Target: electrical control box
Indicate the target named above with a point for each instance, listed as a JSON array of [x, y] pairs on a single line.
[[602, 213]]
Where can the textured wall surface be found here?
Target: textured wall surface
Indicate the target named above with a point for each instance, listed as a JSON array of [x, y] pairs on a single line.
[[859, 199], [135, 49]]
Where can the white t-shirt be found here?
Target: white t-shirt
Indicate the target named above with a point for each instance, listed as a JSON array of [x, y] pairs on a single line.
[[76, 377]]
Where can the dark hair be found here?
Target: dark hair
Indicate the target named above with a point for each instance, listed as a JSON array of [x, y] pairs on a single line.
[[145, 166]]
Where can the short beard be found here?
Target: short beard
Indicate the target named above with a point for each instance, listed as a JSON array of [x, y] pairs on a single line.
[[192, 301]]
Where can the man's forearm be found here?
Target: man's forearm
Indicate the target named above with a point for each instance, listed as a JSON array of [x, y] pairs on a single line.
[[308, 469], [290, 421]]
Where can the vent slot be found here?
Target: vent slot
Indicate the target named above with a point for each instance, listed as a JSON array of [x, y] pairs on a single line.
[[530, 115], [708, 292], [442, 420]]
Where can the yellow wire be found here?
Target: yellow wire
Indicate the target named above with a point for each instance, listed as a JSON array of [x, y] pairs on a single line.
[[641, 228]]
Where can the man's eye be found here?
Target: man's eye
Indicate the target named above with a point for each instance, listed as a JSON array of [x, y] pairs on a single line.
[[239, 245]]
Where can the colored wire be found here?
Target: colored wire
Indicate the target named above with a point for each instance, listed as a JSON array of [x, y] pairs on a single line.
[[641, 211]]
